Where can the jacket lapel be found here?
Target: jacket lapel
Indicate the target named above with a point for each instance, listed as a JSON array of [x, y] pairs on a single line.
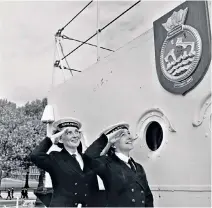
[[132, 175], [123, 164], [71, 162], [138, 174]]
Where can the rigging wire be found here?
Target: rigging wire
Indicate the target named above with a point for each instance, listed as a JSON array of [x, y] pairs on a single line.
[[61, 47], [57, 64], [58, 34], [70, 69], [60, 58], [99, 30], [66, 37], [60, 30], [53, 69]]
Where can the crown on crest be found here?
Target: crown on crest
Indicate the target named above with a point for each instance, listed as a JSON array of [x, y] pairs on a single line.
[[177, 19]]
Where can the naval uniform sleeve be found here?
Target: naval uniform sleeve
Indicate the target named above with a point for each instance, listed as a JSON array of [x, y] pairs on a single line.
[[93, 152], [149, 201], [40, 157], [149, 198], [95, 149]]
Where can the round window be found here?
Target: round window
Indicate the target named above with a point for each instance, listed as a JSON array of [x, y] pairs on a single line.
[[154, 135]]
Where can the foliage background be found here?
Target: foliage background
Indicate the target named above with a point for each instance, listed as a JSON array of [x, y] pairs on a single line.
[[21, 130]]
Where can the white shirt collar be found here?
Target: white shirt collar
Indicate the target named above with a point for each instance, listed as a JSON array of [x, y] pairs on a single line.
[[122, 157], [72, 153], [78, 158]]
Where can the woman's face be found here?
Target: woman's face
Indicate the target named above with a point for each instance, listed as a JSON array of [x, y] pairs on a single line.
[[71, 138], [126, 142]]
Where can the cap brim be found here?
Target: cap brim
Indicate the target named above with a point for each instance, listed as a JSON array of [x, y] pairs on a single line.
[[115, 126], [60, 121]]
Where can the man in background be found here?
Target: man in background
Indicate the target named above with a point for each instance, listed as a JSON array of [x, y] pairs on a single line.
[[8, 194], [22, 193], [12, 192]]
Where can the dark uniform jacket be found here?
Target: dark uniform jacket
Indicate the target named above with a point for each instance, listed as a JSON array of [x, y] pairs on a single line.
[[124, 187], [71, 185]]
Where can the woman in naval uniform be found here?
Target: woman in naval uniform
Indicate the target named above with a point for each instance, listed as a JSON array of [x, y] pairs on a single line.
[[74, 182], [124, 179]]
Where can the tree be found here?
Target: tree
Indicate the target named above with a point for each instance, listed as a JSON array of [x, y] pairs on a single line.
[[20, 131], [7, 113], [35, 108]]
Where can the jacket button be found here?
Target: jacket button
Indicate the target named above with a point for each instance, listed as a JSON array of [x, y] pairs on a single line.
[[75, 193], [85, 194], [143, 202], [75, 204], [75, 184], [142, 192], [132, 190], [133, 200], [86, 205]]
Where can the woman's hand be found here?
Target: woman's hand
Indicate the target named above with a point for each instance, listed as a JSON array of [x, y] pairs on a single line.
[[56, 137], [115, 136]]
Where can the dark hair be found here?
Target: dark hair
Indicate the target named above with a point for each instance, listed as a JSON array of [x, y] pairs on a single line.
[[60, 145]]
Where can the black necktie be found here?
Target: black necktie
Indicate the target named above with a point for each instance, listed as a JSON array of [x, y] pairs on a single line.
[[74, 156], [132, 165]]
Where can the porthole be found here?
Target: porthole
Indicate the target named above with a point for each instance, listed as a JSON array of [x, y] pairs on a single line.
[[154, 135]]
